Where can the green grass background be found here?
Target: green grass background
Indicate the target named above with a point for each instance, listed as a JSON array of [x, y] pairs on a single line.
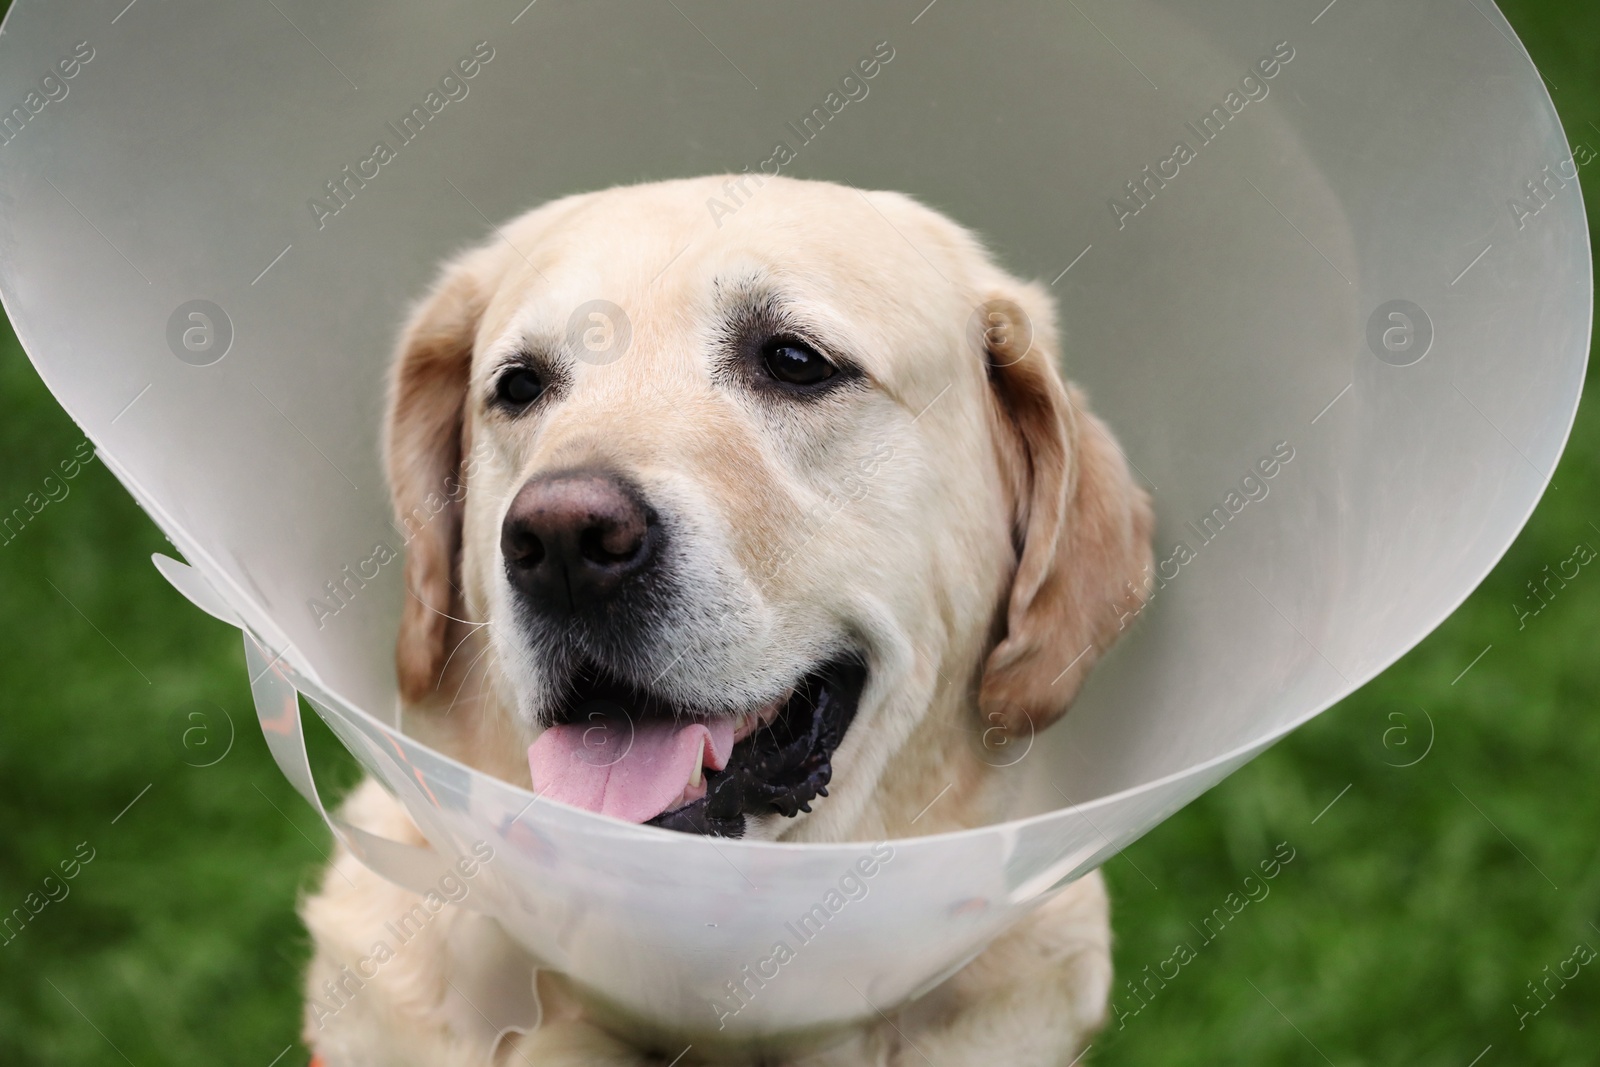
[[1414, 913]]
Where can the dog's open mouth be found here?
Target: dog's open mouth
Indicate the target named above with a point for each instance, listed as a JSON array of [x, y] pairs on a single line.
[[624, 751]]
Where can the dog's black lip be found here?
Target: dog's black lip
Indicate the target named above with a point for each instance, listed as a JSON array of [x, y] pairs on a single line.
[[593, 690], [782, 766]]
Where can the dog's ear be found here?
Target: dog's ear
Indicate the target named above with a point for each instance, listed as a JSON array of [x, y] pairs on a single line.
[[1082, 526], [425, 443]]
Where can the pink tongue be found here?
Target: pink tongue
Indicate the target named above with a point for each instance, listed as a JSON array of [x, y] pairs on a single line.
[[627, 770]]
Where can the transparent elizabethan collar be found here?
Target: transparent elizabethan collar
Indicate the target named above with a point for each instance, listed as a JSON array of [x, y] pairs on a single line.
[[1345, 246]]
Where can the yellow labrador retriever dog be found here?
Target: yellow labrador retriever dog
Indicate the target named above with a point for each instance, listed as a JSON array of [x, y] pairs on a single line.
[[798, 491]]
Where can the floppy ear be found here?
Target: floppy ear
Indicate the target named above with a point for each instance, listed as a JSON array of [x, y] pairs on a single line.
[[424, 445], [1081, 524]]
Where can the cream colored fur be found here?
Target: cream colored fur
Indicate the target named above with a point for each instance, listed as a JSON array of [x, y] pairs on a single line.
[[961, 519]]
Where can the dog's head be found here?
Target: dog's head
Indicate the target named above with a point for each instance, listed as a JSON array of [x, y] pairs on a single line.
[[727, 504]]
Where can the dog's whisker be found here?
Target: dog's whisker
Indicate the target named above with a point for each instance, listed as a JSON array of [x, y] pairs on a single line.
[[446, 614], [474, 629], [466, 675], [483, 685]]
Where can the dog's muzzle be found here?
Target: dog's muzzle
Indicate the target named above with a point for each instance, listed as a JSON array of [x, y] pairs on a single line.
[[583, 553]]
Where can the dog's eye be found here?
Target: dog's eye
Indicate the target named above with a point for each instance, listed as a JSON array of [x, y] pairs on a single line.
[[518, 387], [795, 362]]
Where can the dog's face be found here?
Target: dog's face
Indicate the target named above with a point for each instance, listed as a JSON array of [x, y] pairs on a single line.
[[749, 504]]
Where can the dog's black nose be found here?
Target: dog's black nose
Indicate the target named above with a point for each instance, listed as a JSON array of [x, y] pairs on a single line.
[[573, 538]]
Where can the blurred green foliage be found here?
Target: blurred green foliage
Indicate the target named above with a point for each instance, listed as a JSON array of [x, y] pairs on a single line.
[[1413, 915]]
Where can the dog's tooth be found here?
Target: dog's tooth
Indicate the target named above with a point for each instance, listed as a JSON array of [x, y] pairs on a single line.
[[697, 775]]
